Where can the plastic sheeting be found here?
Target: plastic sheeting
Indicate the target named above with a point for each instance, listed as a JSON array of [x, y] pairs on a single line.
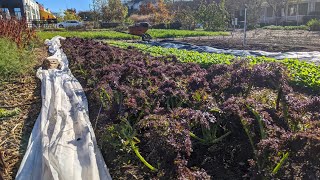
[[307, 56], [62, 145]]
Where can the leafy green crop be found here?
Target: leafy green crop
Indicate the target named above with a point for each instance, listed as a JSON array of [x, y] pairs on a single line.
[[109, 34], [86, 34], [170, 33], [273, 27], [302, 73]]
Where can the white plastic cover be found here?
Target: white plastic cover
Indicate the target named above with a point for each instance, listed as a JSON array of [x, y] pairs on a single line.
[[62, 145]]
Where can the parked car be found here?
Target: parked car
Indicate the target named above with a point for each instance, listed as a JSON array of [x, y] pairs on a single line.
[[71, 23]]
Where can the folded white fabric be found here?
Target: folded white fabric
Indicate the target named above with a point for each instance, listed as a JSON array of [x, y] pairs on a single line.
[[62, 145]]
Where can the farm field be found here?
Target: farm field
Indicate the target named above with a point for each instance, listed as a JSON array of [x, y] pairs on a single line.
[[168, 117], [169, 113], [265, 40], [82, 99], [165, 113], [155, 33], [303, 73]]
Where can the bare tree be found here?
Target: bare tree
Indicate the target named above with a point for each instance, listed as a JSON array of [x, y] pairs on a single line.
[[279, 5], [253, 6], [96, 7]]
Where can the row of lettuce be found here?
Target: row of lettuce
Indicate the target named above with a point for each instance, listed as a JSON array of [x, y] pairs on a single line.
[[109, 34], [302, 73]]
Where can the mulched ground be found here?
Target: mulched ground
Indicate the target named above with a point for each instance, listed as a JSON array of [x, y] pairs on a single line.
[[23, 93]]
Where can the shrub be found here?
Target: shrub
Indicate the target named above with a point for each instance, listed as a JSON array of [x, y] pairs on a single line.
[[314, 25], [13, 61], [18, 31], [173, 25], [55, 29], [140, 18], [74, 28], [109, 24], [311, 15], [88, 25]]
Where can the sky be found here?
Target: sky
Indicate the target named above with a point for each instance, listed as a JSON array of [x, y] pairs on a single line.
[[60, 5]]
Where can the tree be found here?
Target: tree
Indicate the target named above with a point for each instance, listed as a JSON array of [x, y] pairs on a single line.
[[186, 16], [146, 9], [253, 9], [70, 14], [162, 15], [87, 15], [185, 13], [159, 12], [212, 16], [96, 7], [278, 5], [115, 11]]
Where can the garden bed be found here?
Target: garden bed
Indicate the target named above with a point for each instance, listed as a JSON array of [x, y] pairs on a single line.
[[157, 117], [264, 40], [302, 73], [155, 33]]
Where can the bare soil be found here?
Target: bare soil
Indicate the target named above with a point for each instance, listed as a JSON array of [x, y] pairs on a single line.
[[263, 39]]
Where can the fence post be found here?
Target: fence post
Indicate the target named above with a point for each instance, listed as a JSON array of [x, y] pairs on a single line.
[[245, 27]]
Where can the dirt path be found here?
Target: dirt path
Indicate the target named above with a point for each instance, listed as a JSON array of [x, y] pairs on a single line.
[[22, 94], [262, 39]]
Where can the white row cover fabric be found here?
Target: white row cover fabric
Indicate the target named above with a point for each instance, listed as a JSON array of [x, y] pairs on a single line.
[[62, 145], [312, 57]]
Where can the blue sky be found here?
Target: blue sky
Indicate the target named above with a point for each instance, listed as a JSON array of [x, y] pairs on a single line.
[[60, 5]]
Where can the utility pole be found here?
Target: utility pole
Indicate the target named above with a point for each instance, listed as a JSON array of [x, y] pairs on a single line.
[[245, 27]]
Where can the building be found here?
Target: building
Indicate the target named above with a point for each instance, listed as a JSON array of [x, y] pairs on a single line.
[[134, 5], [295, 13], [19, 8], [45, 13]]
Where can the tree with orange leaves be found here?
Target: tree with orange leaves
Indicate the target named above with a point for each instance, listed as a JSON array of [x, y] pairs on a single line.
[[159, 12], [146, 9]]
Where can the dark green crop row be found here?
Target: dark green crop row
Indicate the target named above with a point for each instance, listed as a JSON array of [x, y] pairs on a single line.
[[273, 27], [303, 73], [109, 34]]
